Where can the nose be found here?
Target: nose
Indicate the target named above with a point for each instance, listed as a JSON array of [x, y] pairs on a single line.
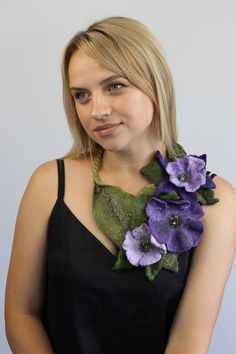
[[101, 107]]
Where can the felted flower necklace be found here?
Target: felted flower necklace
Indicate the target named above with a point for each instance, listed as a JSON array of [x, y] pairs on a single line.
[[164, 219]]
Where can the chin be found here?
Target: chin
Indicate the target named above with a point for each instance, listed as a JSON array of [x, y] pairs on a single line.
[[110, 145], [111, 148]]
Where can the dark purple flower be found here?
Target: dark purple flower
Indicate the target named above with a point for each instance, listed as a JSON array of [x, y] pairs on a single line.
[[209, 183], [175, 223], [141, 247], [163, 161], [188, 172]]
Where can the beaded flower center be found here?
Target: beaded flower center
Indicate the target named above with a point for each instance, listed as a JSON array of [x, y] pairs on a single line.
[[145, 246], [175, 221], [183, 178]]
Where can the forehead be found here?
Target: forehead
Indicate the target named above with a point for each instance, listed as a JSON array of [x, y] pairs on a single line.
[[83, 68]]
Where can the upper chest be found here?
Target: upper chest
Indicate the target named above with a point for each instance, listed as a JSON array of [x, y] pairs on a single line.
[[79, 194], [79, 198]]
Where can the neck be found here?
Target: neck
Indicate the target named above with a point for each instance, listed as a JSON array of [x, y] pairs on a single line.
[[130, 161]]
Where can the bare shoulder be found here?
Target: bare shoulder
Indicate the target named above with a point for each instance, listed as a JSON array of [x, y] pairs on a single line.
[[42, 185], [224, 189], [222, 214], [45, 176], [219, 219], [45, 172], [37, 203]]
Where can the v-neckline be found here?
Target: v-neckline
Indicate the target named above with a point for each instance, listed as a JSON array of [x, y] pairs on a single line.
[[88, 231]]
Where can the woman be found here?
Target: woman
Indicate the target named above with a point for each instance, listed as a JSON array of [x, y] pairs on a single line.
[[116, 246]]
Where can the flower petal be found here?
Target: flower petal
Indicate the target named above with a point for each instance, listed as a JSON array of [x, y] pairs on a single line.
[[150, 258], [131, 246], [156, 208], [143, 249], [160, 230]]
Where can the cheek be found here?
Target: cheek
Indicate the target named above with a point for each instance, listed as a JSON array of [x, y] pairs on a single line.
[[82, 117], [82, 121], [148, 110], [141, 107]]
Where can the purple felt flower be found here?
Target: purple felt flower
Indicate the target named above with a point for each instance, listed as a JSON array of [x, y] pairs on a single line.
[[141, 247], [209, 182], [188, 172], [175, 223]]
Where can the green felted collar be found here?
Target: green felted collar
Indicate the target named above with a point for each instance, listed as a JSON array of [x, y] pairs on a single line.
[[117, 212]]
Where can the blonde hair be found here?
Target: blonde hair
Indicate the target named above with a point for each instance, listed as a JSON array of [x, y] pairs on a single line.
[[128, 48]]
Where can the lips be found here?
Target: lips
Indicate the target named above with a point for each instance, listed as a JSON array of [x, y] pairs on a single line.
[[107, 130], [106, 126]]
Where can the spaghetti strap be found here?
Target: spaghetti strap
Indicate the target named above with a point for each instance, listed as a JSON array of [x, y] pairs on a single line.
[[61, 178]]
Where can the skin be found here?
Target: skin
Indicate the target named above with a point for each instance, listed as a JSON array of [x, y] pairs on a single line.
[[128, 147]]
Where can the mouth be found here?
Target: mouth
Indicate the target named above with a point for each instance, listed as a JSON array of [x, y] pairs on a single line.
[[106, 129]]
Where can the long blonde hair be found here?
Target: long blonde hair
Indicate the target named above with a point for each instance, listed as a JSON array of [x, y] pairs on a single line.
[[128, 48]]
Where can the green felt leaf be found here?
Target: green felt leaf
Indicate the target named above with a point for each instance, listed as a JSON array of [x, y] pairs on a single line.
[[170, 195], [122, 261], [138, 219], [170, 262], [177, 151], [116, 211], [153, 172], [152, 270], [206, 196], [139, 208]]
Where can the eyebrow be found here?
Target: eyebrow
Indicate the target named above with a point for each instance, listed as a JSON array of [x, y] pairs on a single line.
[[103, 82]]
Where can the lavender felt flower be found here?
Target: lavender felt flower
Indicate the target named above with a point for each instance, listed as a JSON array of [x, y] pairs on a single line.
[[175, 223], [188, 172], [141, 247], [209, 181]]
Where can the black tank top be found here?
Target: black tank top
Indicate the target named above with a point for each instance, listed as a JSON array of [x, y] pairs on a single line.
[[90, 309]]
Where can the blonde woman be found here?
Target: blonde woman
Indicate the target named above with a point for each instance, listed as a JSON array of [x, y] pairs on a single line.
[[116, 246]]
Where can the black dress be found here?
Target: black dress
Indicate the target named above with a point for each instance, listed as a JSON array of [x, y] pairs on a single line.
[[90, 309]]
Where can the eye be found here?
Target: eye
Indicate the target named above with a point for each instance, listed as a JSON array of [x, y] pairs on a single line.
[[80, 95], [115, 86]]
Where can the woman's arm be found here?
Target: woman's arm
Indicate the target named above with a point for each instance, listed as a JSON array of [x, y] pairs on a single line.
[[26, 275], [212, 261]]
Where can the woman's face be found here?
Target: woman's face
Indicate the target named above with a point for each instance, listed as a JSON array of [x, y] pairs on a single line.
[[113, 112]]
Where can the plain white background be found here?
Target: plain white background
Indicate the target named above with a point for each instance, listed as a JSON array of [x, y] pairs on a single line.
[[199, 41]]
